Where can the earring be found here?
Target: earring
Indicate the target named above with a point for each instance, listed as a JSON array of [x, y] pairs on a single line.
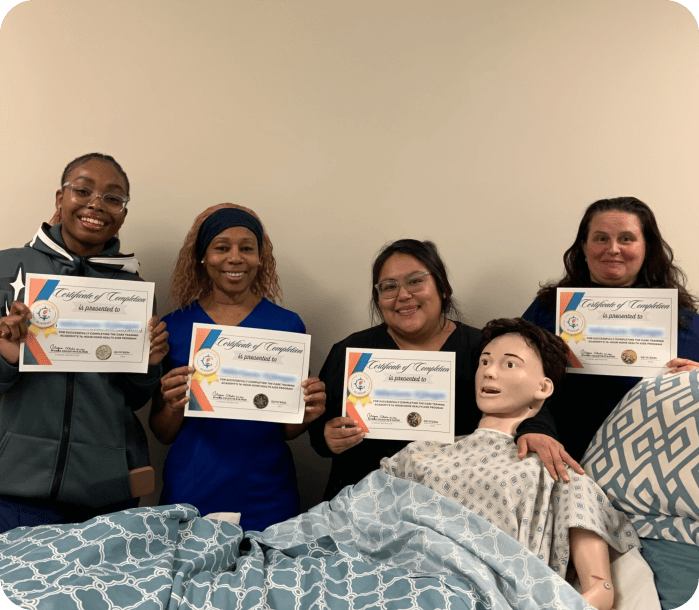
[[202, 261]]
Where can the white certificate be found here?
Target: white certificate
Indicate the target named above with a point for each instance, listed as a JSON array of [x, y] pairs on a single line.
[[247, 373], [86, 324], [401, 394], [618, 331]]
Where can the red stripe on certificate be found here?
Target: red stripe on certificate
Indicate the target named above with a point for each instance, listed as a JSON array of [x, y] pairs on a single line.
[[35, 287], [202, 334]]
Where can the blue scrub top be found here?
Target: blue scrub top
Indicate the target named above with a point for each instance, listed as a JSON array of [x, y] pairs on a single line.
[[226, 465]]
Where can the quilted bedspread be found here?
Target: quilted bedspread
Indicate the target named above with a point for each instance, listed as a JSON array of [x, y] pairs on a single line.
[[384, 543]]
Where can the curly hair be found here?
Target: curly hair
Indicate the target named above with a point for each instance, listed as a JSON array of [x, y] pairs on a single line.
[[426, 252], [657, 271], [552, 350], [56, 218], [190, 280]]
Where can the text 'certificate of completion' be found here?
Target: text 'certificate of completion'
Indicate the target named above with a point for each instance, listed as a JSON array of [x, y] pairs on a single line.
[[86, 324], [248, 373], [618, 331], [401, 394]]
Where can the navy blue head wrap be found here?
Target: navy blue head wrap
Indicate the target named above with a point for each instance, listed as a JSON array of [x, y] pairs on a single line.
[[223, 219]]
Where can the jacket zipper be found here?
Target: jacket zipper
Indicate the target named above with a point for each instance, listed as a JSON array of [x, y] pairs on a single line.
[[67, 418]]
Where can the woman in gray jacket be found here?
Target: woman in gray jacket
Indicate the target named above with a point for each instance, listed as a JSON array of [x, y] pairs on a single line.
[[69, 441]]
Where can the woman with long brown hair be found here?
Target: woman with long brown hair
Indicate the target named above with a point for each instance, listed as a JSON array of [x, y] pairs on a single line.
[[619, 245]]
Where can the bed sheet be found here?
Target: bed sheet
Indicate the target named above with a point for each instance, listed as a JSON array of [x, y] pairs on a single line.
[[384, 543]]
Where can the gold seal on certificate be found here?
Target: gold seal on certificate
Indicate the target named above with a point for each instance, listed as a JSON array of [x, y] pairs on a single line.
[[400, 394], [260, 401], [86, 324], [629, 356], [247, 373], [618, 331], [414, 419], [103, 352]]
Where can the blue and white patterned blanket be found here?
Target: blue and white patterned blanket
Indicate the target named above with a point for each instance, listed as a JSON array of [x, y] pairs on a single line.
[[384, 543]]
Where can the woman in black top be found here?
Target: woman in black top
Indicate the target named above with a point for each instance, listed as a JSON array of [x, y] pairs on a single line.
[[413, 298]]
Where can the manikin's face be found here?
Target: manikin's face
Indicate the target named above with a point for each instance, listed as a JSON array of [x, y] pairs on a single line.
[[510, 377]]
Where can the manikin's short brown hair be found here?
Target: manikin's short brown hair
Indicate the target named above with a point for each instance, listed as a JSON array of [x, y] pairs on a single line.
[[552, 350]]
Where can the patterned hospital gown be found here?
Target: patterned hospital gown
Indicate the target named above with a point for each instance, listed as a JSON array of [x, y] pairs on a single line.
[[483, 473]]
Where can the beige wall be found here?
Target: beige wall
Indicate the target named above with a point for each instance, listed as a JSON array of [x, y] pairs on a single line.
[[486, 126]]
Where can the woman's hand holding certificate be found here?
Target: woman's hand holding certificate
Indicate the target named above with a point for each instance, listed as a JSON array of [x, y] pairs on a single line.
[[13, 330]]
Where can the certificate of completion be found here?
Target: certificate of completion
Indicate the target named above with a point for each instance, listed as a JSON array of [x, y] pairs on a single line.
[[247, 373], [401, 394], [618, 331], [86, 324]]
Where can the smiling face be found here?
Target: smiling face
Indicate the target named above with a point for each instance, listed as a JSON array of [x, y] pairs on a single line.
[[87, 227], [410, 315], [231, 261], [510, 378], [615, 248]]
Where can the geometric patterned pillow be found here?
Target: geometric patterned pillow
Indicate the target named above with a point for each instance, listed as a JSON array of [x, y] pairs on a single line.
[[646, 457]]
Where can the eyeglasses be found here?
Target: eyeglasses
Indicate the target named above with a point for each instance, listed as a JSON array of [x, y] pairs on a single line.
[[85, 195], [415, 282]]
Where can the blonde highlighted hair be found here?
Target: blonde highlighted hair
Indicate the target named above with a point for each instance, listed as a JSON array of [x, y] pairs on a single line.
[[190, 280]]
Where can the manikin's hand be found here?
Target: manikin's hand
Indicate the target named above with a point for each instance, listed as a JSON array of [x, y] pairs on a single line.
[[551, 452], [340, 439], [13, 330], [677, 365]]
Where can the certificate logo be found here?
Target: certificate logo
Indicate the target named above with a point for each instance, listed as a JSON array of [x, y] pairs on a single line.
[[44, 314], [207, 362], [629, 356], [414, 419], [103, 352], [260, 401], [572, 322], [360, 384]]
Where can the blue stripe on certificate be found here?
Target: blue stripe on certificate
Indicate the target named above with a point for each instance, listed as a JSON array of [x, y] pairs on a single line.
[[258, 375], [625, 331], [133, 326], [410, 394]]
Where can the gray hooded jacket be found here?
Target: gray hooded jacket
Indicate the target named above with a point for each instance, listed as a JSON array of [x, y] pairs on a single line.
[[69, 437]]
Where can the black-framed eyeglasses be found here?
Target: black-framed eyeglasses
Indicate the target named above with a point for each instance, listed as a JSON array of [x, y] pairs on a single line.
[[415, 282], [85, 195]]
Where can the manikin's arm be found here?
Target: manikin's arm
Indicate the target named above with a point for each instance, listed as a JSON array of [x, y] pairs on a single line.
[[590, 555]]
